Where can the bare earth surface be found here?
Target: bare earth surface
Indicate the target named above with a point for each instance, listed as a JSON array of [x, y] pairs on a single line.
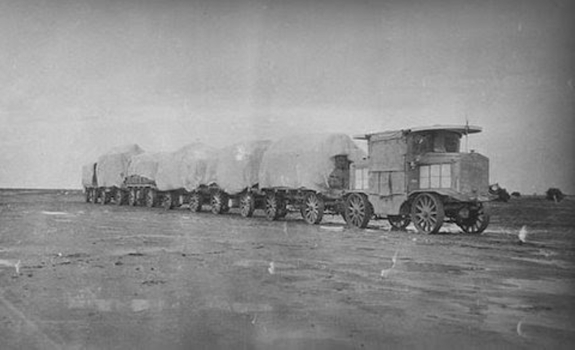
[[86, 276]]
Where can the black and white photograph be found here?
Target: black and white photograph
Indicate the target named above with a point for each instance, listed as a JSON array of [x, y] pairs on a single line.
[[287, 174]]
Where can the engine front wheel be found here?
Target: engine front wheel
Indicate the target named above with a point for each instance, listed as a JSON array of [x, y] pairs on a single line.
[[477, 220], [427, 213]]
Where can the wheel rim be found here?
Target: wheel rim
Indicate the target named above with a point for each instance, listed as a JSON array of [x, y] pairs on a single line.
[[313, 209], [247, 205], [271, 207], [477, 223], [427, 214]]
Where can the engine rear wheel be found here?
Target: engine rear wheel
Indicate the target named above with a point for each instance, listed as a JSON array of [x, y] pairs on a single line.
[[247, 205], [313, 208], [427, 213], [358, 210], [195, 202], [477, 222], [151, 197]]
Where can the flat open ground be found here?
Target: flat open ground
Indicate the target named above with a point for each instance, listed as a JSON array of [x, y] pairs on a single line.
[[86, 276]]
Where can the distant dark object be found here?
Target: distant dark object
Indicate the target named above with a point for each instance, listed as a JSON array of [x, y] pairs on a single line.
[[515, 194], [554, 194], [500, 192]]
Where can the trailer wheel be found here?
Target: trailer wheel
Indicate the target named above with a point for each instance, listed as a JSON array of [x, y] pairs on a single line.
[[151, 197], [168, 201], [195, 202], [120, 197], [219, 202], [132, 197], [103, 197], [427, 213], [313, 208], [272, 204], [358, 210], [477, 222], [247, 205]]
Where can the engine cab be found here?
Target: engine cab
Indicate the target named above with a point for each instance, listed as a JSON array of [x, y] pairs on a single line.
[[409, 170]]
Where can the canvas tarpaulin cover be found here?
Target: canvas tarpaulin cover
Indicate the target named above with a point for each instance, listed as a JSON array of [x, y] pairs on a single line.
[[112, 167], [305, 161], [185, 168], [145, 165], [88, 175], [236, 167]]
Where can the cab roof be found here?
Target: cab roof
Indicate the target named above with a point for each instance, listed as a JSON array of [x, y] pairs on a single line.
[[460, 129]]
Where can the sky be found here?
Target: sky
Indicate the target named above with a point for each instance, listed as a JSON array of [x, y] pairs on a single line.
[[79, 77]]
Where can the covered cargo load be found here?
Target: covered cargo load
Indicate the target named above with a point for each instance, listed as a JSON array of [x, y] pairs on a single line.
[[185, 168], [112, 167], [237, 167], [88, 175], [305, 161], [145, 165]]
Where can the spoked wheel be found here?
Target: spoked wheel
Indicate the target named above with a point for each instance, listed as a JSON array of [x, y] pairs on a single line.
[[312, 210], [103, 197], [120, 197], [195, 202], [282, 208], [151, 197], [427, 213], [219, 202], [400, 222], [358, 210], [168, 201], [272, 206], [247, 205], [477, 221], [132, 197]]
